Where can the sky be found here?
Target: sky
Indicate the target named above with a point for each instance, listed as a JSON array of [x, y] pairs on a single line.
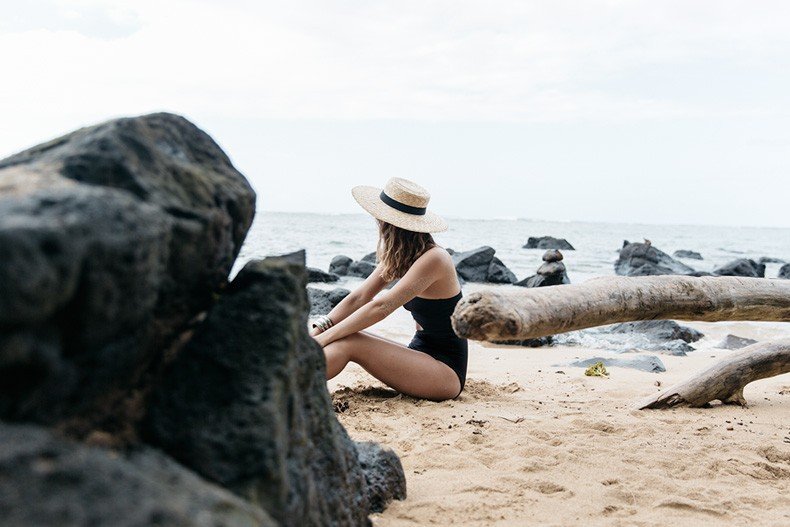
[[670, 112]]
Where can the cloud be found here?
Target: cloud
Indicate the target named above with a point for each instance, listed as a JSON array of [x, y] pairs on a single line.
[[604, 98], [427, 60]]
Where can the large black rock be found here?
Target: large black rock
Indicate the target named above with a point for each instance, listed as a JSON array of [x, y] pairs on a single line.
[[480, 265], [742, 267], [383, 475], [323, 301], [474, 265], [498, 273], [111, 239], [734, 342], [642, 259], [317, 275], [784, 272], [662, 336], [361, 269], [339, 265], [548, 242], [658, 330], [46, 480], [245, 405]]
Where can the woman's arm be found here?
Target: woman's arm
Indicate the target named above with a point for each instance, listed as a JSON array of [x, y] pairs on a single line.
[[355, 299], [424, 272]]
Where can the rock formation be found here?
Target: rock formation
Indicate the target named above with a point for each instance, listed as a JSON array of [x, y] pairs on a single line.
[[342, 265], [548, 242], [317, 275], [339, 265], [111, 239], [734, 342], [323, 301], [643, 259], [258, 419], [480, 265], [742, 267], [551, 272], [123, 347]]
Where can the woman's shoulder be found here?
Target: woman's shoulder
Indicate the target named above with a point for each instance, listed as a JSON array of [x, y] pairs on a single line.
[[437, 250], [437, 254]]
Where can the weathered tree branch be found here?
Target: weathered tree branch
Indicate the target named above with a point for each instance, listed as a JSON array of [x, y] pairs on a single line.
[[515, 313], [725, 381]]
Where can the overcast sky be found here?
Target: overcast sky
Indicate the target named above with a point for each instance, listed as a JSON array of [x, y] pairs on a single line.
[[654, 112]]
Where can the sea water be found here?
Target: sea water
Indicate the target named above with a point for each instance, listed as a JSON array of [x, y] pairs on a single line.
[[596, 245]]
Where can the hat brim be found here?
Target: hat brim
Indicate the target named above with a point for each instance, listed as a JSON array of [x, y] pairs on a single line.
[[369, 199]]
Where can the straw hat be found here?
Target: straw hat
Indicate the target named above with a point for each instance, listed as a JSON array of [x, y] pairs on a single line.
[[402, 203]]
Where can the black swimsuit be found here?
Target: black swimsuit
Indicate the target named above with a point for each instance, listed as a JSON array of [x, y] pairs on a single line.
[[437, 338]]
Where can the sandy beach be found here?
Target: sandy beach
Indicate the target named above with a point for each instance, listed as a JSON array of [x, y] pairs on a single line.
[[534, 441]]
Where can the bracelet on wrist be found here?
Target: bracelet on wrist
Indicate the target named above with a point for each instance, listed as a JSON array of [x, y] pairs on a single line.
[[323, 323]]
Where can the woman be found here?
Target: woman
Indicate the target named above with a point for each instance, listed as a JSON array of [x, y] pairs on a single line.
[[433, 365]]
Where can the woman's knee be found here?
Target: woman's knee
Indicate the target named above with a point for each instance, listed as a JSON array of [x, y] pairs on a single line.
[[345, 346]]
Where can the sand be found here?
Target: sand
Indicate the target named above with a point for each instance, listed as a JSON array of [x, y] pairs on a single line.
[[532, 443]]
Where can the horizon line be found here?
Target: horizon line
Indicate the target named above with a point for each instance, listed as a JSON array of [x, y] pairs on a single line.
[[451, 216]]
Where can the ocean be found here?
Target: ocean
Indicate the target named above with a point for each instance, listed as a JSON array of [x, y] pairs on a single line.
[[324, 236]]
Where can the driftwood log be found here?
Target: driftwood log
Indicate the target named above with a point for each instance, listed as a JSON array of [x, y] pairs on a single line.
[[515, 313], [725, 381]]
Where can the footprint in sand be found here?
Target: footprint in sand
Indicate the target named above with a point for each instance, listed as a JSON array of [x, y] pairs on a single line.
[[549, 488]]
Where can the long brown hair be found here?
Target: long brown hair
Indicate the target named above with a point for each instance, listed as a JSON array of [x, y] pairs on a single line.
[[398, 248]]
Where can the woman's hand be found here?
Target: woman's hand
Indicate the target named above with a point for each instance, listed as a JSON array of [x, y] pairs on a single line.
[[320, 339], [315, 331]]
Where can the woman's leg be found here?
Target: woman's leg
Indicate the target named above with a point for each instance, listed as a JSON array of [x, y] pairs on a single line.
[[406, 370]]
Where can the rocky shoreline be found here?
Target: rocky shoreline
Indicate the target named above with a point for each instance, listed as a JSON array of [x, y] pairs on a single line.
[[139, 386], [481, 266]]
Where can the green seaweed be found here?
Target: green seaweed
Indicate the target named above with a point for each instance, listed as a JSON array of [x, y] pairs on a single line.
[[597, 370]]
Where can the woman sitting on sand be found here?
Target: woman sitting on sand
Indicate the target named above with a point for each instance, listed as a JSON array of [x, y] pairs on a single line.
[[433, 365]]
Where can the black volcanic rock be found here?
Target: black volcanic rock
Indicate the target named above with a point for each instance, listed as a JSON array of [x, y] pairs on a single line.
[[480, 265], [683, 253], [527, 343], [474, 265], [323, 301], [339, 265], [742, 267], [370, 258], [383, 475], [658, 330], [734, 342], [551, 272], [552, 255], [245, 405], [642, 259], [118, 328], [548, 242], [784, 272], [317, 275], [53, 481], [361, 269], [498, 273], [111, 238]]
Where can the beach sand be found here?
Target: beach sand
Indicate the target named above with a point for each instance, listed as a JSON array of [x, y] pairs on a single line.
[[529, 442]]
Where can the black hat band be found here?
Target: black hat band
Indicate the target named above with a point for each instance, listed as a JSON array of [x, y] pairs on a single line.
[[408, 209]]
